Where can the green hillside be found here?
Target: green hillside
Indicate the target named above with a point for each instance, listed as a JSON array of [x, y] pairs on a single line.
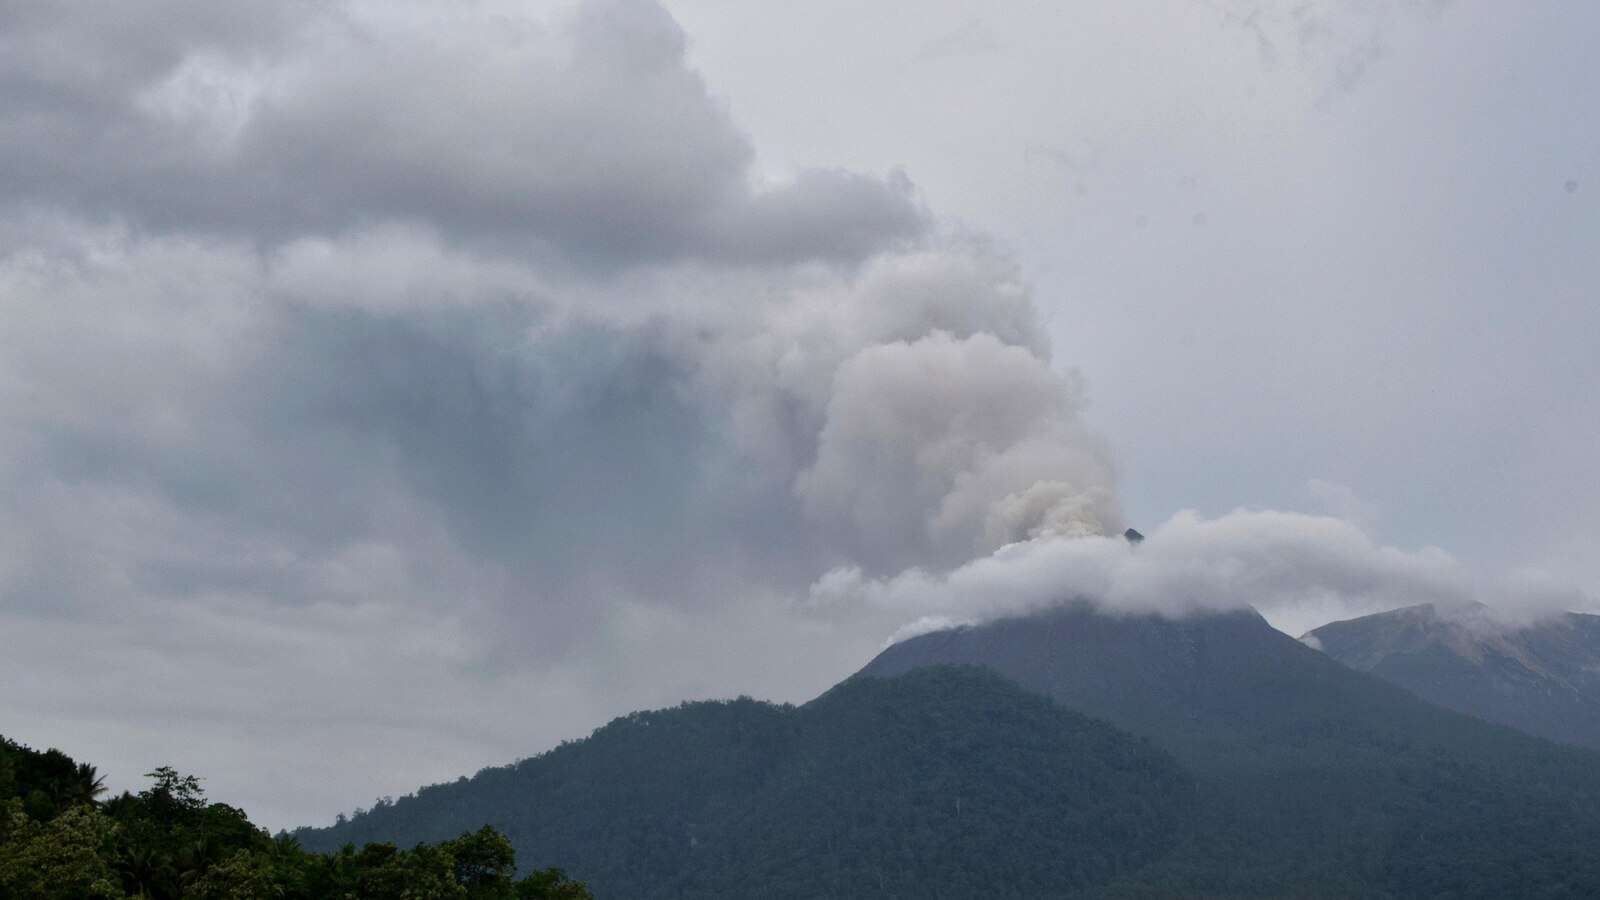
[[1311, 777], [949, 782]]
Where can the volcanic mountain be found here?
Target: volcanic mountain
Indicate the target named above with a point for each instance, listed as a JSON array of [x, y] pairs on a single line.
[[1542, 678], [1208, 756], [1309, 773], [947, 782]]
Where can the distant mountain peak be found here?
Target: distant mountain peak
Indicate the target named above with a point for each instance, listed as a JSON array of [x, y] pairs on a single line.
[[1542, 677]]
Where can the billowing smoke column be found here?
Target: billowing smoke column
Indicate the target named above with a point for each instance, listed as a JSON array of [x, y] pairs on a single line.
[[492, 312], [922, 421]]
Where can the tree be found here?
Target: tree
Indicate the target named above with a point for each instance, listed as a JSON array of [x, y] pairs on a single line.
[[173, 797], [551, 884], [169, 843], [63, 859], [89, 784], [242, 876], [484, 863]]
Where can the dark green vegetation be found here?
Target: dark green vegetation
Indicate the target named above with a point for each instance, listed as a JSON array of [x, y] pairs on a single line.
[[1313, 779], [949, 782], [60, 841], [1542, 678]]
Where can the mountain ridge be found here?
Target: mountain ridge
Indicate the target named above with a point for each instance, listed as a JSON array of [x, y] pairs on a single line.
[[1541, 677]]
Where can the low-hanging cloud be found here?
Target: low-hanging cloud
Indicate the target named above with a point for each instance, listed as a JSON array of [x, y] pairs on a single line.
[[1298, 570]]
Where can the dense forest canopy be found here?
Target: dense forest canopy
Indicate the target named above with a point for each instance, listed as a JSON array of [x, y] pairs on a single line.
[[61, 839]]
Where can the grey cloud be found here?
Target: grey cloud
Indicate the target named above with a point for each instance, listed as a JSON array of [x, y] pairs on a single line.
[[822, 214], [78, 53], [294, 405], [592, 136]]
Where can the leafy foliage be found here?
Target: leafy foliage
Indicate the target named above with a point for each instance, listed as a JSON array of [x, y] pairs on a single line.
[[57, 842], [66, 857]]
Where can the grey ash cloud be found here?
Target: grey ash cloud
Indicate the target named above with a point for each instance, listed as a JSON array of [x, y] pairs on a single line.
[[361, 345]]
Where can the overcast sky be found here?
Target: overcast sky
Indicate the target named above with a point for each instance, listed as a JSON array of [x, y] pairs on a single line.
[[393, 389]]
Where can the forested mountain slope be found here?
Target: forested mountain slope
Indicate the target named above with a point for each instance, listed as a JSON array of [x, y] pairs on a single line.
[[1311, 776], [1237, 762], [948, 782]]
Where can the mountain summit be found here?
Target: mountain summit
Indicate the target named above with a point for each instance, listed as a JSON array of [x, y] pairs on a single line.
[[1542, 678]]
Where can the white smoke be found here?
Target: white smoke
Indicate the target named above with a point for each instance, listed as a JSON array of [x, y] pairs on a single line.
[[1298, 570], [943, 447]]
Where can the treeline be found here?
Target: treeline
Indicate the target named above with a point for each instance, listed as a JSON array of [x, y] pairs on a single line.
[[61, 838]]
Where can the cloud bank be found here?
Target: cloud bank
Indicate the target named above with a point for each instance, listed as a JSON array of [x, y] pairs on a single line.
[[587, 133]]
